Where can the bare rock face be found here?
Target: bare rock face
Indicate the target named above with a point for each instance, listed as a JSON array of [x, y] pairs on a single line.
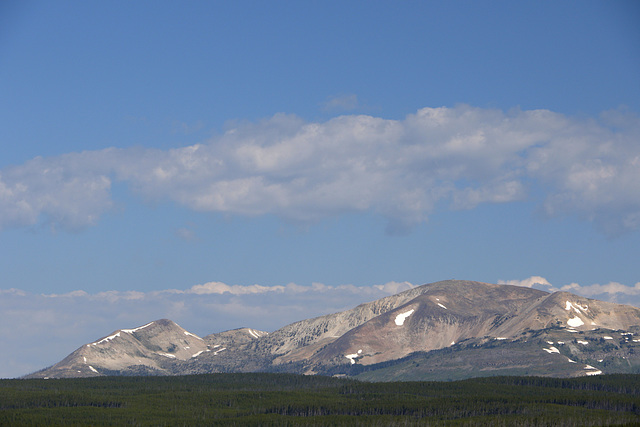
[[235, 337], [423, 320], [299, 340], [449, 313], [444, 314], [145, 349]]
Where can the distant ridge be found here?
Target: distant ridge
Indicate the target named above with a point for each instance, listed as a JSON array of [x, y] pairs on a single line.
[[444, 330]]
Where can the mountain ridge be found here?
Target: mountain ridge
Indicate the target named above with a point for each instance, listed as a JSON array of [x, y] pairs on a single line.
[[463, 316]]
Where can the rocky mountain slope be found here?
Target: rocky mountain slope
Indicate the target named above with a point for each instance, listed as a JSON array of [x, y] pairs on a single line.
[[553, 351], [474, 324]]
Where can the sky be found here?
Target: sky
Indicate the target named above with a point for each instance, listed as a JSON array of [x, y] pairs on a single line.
[[250, 163]]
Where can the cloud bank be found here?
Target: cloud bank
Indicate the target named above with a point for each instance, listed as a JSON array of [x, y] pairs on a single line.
[[451, 158], [612, 291]]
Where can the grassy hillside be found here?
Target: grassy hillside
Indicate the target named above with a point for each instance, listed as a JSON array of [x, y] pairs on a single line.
[[286, 399]]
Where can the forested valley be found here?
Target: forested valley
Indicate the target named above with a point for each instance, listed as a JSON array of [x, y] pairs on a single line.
[[287, 399]]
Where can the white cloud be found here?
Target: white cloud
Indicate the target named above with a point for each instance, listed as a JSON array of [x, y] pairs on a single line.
[[342, 103], [185, 233], [401, 169], [221, 288], [527, 283], [71, 191], [394, 287], [611, 291], [611, 288]]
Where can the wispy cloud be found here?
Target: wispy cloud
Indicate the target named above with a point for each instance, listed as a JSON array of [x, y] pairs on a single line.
[[185, 233], [401, 169], [342, 103], [612, 291], [187, 128]]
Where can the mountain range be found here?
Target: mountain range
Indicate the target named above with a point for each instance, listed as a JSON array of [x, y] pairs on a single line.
[[446, 330]]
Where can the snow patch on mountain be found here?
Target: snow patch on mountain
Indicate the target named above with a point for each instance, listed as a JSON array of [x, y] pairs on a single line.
[[256, 334], [352, 357], [400, 318], [195, 336], [575, 306], [170, 356], [592, 370], [130, 331], [575, 322], [107, 339]]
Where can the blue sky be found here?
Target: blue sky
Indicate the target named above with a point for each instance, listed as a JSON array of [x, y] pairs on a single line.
[[229, 164]]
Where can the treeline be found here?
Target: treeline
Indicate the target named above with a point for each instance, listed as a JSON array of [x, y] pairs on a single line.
[[286, 399]]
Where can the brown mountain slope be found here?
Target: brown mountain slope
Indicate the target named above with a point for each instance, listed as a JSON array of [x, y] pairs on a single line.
[[448, 313], [445, 314]]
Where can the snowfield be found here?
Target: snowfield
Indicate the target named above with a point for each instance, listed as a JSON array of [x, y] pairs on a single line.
[[400, 318], [352, 357], [575, 322]]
